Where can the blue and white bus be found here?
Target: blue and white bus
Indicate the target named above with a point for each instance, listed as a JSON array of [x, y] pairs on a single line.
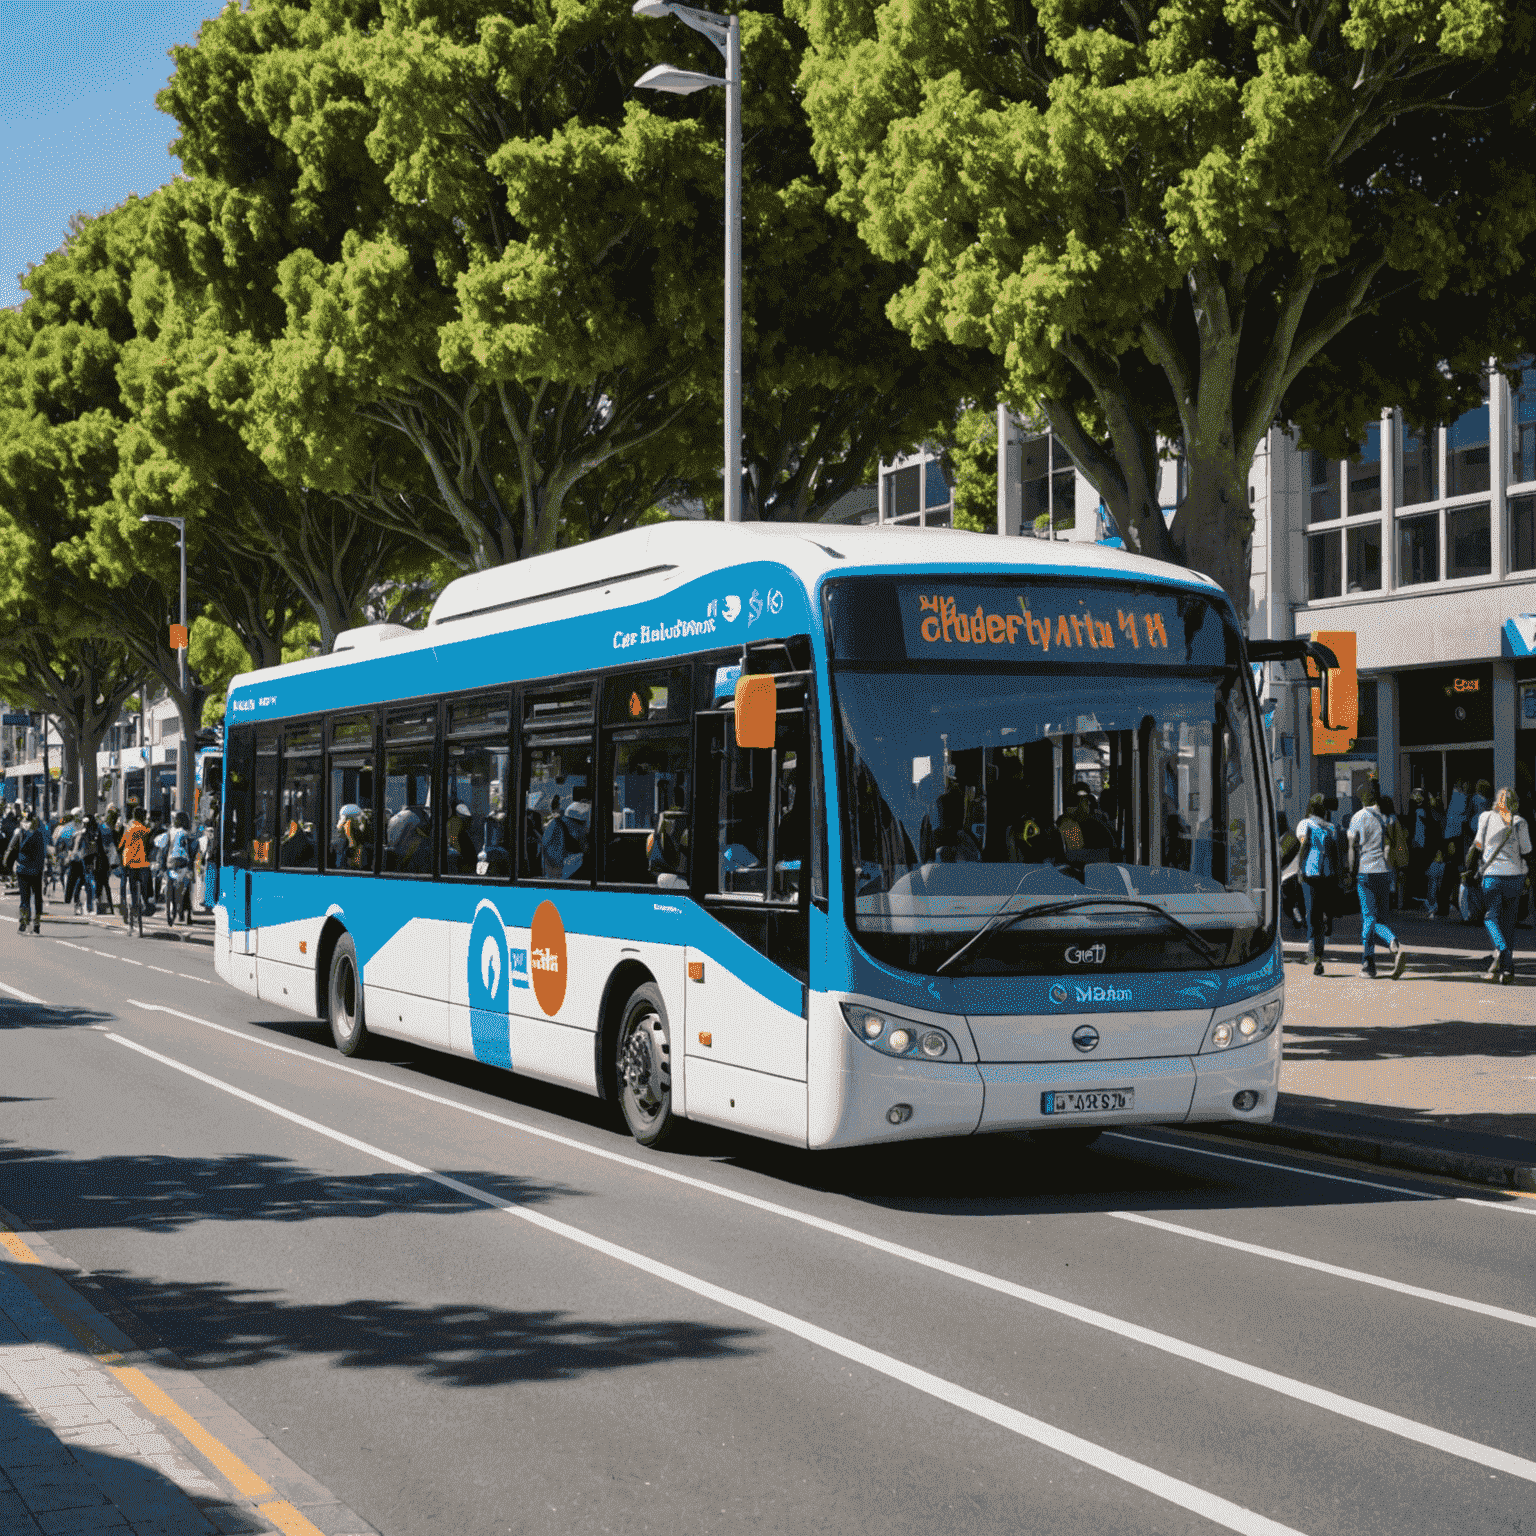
[[829, 835]]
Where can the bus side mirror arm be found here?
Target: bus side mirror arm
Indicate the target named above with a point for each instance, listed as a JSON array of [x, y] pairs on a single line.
[[1302, 650]]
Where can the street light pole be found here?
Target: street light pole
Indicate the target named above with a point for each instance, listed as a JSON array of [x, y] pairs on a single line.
[[183, 768], [725, 33]]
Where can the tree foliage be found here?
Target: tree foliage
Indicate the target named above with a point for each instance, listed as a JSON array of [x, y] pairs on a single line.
[[1183, 221]]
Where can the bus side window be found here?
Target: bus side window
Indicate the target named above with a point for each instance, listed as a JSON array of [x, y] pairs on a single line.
[[298, 823], [349, 818], [263, 845], [557, 785], [648, 835], [763, 820], [475, 838], [409, 742], [237, 796]]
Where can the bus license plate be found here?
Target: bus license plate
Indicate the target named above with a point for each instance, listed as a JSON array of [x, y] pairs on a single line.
[[1097, 1101]]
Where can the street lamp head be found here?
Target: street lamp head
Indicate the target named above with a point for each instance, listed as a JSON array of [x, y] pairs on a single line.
[[680, 82], [656, 10]]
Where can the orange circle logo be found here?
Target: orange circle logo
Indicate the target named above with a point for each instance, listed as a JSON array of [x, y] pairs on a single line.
[[547, 960]]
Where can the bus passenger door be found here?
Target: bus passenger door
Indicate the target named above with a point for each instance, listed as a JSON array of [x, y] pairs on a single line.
[[745, 1026]]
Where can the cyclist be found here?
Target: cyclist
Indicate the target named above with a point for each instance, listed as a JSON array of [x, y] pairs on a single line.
[[135, 853]]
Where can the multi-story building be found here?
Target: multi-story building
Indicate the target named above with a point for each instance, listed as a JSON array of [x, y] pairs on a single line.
[[1423, 545]]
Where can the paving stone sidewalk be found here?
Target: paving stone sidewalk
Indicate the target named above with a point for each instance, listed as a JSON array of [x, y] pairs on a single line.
[[1434, 1072]]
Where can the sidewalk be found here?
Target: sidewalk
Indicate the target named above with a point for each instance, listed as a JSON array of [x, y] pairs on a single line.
[[96, 1436], [1435, 1072]]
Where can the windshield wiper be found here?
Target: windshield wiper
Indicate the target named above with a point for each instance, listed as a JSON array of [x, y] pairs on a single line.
[[1005, 919]]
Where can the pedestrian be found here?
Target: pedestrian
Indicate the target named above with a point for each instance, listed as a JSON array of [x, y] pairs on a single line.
[[64, 855], [1373, 880], [1398, 851], [87, 850], [1319, 871], [29, 851], [1456, 822], [1503, 839], [1434, 878], [1424, 839], [106, 860]]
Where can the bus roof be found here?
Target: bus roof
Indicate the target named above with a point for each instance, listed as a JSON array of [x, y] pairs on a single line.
[[645, 563]]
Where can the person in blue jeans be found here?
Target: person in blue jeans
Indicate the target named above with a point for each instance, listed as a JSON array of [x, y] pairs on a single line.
[[1503, 838], [1373, 880], [1319, 874]]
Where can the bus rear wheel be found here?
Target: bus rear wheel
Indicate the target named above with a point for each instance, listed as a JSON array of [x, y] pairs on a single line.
[[348, 1026], [643, 1068]]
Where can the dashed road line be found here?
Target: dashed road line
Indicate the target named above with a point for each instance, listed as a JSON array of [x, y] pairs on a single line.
[[1523, 1319], [1174, 1490], [1319, 1397], [22, 997]]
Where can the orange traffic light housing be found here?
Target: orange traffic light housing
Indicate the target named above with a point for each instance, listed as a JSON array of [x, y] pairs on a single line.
[[1336, 708]]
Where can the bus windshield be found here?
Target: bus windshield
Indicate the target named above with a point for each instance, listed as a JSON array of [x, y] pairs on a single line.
[[1024, 814]]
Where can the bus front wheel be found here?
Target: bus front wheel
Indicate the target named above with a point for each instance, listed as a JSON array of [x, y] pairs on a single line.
[[643, 1063], [348, 1027]]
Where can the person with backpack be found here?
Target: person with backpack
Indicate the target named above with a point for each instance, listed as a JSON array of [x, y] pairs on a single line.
[[1399, 852], [87, 850], [28, 851], [1318, 852], [1503, 839], [178, 865], [1368, 836]]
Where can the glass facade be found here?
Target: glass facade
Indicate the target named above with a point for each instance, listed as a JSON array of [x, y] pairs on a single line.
[[1522, 429], [1365, 475], [1466, 452], [1421, 465], [1325, 489]]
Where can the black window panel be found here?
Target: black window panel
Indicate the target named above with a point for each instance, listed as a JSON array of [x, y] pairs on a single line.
[[1325, 489], [1468, 541], [1421, 467], [352, 833], [264, 829], [1365, 558], [1418, 550], [410, 745], [1522, 533], [648, 698], [480, 717], [564, 712], [476, 799], [650, 814], [239, 765], [1324, 572], [301, 813]]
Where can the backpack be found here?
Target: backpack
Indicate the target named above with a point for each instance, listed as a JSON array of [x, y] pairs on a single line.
[[178, 851], [1320, 849], [1397, 844]]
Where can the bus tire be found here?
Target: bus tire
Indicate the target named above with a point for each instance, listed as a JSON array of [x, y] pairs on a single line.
[[345, 999], [643, 1067]]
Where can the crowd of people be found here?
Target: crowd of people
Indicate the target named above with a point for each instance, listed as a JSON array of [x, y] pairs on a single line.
[[1471, 855], [85, 856]]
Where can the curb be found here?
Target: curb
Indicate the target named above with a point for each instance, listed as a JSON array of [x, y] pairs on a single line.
[[1414, 1157]]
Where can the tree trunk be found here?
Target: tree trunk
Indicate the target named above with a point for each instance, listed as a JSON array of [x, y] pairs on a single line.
[[1213, 528], [69, 767]]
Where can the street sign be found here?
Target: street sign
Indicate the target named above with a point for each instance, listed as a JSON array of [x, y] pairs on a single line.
[[15, 719]]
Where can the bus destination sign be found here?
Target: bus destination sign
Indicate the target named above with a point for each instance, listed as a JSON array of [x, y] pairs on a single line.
[[997, 622]]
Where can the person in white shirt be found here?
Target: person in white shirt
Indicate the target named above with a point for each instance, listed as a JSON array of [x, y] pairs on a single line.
[[1373, 880], [1504, 839]]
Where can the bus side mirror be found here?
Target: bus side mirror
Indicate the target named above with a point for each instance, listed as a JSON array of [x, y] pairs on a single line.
[[757, 711]]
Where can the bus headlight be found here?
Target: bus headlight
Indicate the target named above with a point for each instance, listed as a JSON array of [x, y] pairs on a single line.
[[895, 1036], [1243, 1025]]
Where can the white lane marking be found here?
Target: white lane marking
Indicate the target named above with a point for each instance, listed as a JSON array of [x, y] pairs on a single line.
[[1497, 1205], [205, 980], [81, 947], [106, 954], [1301, 1391], [1524, 1319], [161, 969], [1185, 1495], [127, 961], [25, 997], [1254, 1162]]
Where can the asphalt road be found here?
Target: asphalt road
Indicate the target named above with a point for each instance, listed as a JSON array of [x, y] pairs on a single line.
[[467, 1303]]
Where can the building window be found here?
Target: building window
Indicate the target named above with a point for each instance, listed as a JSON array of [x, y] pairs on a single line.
[[1522, 438], [1365, 558], [1466, 453], [1421, 480], [1418, 550], [1323, 570], [1522, 533], [905, 485], [1468, 542], [1325, 489], [1365, 475]]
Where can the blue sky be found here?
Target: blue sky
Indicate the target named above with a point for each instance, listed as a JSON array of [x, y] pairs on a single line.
[[78, 125]]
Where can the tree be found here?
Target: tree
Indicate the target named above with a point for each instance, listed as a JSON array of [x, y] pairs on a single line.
[[456, 226], [1181, 222]]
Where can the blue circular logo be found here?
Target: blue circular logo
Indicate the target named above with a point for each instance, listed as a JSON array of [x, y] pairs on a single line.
[[1058, 993], [489, 987], [1085, 1037]]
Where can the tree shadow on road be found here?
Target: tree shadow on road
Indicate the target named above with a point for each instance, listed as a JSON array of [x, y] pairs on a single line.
[[212, 1326], [15, 1014]]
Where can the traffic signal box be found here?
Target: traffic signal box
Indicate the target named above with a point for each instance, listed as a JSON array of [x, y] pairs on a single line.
[[1336, 733]]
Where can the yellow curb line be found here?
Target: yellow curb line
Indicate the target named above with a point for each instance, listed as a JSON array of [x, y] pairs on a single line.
[[245, 1482], [17, 1249], [287, 1519]]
